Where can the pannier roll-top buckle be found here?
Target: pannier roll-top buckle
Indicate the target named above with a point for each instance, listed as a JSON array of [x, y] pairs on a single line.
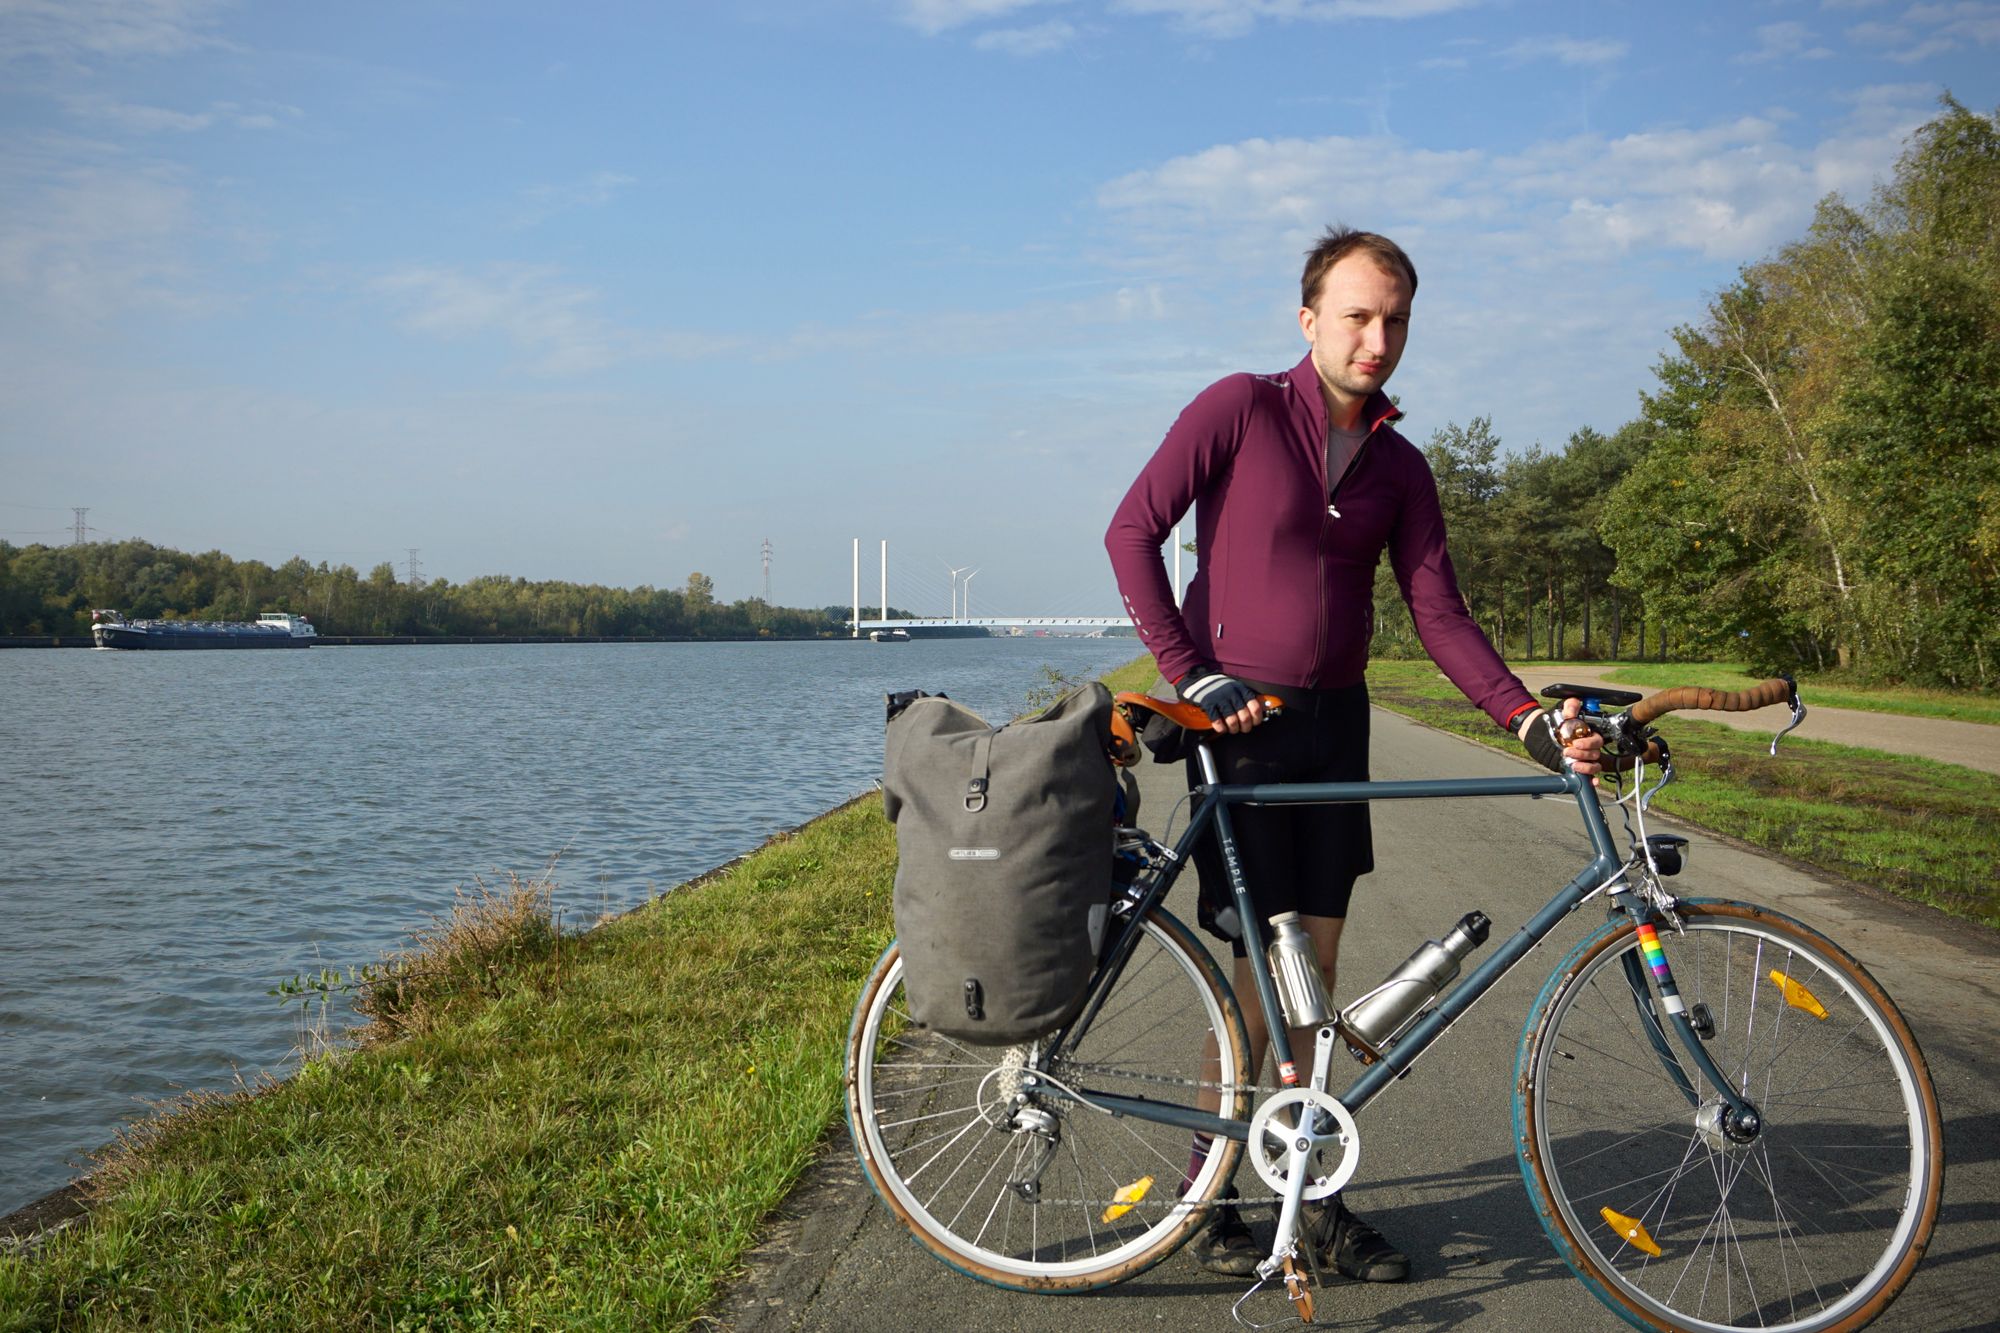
[[982, 767]]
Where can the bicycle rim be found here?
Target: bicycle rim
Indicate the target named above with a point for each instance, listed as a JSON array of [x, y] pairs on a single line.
[[1031, 1189], [1816, 1224]]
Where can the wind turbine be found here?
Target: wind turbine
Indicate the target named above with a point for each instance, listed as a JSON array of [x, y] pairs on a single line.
[[955, 587]]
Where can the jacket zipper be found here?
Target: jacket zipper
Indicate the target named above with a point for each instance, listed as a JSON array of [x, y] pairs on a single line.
[[1333, 491], [1325, 525]]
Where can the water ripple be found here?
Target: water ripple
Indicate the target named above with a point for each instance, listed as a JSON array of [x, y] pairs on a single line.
[[184, 830]]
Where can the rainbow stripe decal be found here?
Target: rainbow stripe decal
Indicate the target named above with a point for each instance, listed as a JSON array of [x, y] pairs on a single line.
[[1656, 959]]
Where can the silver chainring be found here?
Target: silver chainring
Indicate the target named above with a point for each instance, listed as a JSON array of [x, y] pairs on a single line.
[[1331, 1163]]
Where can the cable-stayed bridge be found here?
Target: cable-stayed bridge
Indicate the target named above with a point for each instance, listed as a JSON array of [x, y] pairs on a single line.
[[959, 594], [1068, 624]]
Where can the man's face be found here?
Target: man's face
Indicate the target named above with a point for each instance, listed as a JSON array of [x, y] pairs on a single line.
[[1357, 327]]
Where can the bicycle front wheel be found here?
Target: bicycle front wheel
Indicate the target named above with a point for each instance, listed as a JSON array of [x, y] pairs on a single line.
[[1814, 1224], [1022, 1182]]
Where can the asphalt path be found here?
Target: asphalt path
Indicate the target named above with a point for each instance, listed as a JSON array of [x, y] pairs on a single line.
[[1437, 1172]]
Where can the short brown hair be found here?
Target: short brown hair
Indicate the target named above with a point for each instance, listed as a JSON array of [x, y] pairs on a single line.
[[1340, 242]]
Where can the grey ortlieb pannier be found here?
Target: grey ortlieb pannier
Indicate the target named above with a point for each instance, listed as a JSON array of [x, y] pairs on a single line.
[[1004, 839]]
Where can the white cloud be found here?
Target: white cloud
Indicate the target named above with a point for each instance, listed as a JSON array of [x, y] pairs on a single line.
[[72, 28], [1924, 50], [1783, 41], [1927, 30], [1566, 50], [1730, 191], [1967, 18], [932, 17], [1877, 34], [541, 202], [1578, 248], [140, 119], [1211, 18], [524, 304], [1036, 41], [530, 306], [1259, 183], [1233, 18], [87, 233]]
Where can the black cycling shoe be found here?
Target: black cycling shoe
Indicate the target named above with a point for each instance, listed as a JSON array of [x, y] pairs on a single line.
[[1225, 1245], [1350, 1245]]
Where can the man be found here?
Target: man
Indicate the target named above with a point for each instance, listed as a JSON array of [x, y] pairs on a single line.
[[1300, 482]]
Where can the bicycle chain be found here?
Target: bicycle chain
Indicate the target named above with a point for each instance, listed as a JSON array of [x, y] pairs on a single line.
[[1169, 1080], [1104, 1071]]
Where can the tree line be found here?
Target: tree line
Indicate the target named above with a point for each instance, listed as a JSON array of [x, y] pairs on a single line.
[[53, 589], [1812, 482]]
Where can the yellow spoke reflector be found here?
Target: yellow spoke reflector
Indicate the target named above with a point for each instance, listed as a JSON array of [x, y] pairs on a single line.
[[1122, 1201], [1632, 1230], [1796, 995]]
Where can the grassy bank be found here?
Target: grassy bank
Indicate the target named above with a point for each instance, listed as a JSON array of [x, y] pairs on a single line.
[[557, 1132], [1919, 829], [539, 1130]]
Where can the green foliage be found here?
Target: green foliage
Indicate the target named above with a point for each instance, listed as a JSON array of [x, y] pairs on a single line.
[[1523, 536], [1053, 685], [1821, 482], [53, 589]]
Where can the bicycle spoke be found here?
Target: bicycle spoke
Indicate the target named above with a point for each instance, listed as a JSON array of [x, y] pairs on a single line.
[[1001, 1166], [1794, 1225]]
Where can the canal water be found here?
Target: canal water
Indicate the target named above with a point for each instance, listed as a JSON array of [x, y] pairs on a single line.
[[182, 831]]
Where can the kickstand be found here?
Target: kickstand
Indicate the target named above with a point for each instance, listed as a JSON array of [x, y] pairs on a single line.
[[1298, 1290]]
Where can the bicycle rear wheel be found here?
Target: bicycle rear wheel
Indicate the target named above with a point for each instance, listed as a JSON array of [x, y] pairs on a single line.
[[1032, 1188], [1817, 1222]]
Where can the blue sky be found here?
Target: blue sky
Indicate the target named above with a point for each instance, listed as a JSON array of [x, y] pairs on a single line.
[[613, 292]]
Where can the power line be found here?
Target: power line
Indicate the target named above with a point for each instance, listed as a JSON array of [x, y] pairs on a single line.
[[81, 532], [416, 578], [767, 571]]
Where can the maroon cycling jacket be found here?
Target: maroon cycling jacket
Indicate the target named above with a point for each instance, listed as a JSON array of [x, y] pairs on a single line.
[[1285, 591]]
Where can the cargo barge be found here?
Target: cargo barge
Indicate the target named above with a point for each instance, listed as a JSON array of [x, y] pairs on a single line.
[[273, 629]]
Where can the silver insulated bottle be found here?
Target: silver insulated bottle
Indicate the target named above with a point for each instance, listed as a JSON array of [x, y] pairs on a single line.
[[1295, 966], [1387, 1010]]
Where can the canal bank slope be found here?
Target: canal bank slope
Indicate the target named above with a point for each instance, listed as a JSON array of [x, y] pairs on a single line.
[[560, 1130]]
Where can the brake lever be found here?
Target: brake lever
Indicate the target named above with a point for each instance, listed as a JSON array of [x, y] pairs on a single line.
[[1666, 771], [1798, 716]]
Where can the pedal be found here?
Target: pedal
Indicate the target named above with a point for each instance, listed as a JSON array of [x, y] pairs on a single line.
[[1298, 1287]]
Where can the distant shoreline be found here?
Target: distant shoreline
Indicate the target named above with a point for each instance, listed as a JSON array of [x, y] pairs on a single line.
[[406, 640]]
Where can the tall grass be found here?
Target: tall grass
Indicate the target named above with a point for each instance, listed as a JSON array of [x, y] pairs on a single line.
[[541, 1130]]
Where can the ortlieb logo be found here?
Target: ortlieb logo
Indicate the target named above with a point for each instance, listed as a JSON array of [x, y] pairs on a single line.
[[974, 853]]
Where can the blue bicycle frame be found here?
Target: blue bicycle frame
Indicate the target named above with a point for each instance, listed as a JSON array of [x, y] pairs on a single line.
[[1213, 802]]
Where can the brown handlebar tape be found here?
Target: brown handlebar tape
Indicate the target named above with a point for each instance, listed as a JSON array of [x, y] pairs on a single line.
[[1185, 714], [1775, 691]]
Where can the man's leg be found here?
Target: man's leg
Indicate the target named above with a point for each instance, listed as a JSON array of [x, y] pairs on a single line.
[[1227, 1246], [1344, 1241]]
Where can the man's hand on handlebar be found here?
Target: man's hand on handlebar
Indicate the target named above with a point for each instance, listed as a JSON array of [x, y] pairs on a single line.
[[1584, 750], [1231, 705]]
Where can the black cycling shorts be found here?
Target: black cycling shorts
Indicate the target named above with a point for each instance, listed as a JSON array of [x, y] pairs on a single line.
[[1298, 858]]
